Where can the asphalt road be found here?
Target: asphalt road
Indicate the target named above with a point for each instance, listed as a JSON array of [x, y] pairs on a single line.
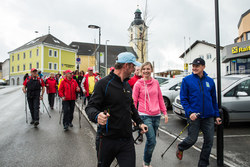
[[236, 140], [48, 145]]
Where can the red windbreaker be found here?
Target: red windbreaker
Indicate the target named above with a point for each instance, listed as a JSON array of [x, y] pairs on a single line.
[[51, 85], [68, 89]]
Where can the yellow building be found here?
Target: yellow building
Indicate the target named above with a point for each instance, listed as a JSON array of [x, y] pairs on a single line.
[[244, 27], [138, 32], [46, 53], [237, 55]]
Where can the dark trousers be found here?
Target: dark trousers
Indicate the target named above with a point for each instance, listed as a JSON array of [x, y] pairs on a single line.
[[206, 125], [51, 98], [34, 104], [68, 111], [122, 149]]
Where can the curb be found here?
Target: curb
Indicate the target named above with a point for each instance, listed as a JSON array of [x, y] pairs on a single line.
[[93, 125]]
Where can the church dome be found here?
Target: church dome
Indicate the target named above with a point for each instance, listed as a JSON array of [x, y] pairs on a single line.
[[138, 19]]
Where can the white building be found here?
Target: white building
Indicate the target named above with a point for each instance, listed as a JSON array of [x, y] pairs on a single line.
[[6, 70], [206, 51]]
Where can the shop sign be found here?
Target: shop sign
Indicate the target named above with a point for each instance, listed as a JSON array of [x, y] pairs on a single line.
[[237, 49]]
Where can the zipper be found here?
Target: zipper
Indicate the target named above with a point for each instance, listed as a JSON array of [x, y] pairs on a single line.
[[203, 97]]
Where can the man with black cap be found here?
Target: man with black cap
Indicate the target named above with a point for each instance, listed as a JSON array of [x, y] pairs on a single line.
[[111, 106], [198, 98], [67, 91], [34, 84]]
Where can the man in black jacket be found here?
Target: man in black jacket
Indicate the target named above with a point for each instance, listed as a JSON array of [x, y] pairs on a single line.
[[111, 106]]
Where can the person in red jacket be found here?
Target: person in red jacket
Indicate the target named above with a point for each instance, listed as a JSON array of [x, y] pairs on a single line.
[[88, 83], [51, 86], [67, 91], [134, 79]]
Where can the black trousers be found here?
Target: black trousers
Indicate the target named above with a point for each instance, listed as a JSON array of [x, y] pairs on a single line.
[[51, 98], [122, 149], [34, 104], [68, 111]]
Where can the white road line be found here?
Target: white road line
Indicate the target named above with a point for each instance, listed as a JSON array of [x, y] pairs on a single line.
[[229, 163], [230, 136]]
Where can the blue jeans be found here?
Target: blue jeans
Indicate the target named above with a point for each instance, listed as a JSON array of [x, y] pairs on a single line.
[[153, 123], [206, 125]]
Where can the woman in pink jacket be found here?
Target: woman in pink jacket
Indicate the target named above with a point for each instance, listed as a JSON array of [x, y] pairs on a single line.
[[147, 93]]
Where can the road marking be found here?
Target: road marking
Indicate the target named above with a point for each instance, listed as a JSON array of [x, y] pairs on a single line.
[[230, 136], [229, 163]]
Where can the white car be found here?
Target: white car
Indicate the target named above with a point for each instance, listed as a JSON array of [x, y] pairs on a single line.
[[170, 90], [235, 99]]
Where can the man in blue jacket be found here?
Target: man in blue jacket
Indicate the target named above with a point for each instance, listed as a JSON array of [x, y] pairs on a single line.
[[198, 98]]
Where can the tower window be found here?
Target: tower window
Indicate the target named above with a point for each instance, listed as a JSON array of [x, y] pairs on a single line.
[[131, 37]]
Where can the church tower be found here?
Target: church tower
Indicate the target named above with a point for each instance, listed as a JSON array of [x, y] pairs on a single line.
[[138, 32]]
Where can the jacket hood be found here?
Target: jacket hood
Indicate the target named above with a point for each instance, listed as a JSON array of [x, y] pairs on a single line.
[[141, 81]]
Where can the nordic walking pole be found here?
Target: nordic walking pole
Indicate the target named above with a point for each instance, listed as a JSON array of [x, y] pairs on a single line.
[[79, 118], [46, 109], [177, 137], [26, 107]]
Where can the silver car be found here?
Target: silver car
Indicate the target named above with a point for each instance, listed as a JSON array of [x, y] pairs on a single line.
[[170, 90], [235, 97]]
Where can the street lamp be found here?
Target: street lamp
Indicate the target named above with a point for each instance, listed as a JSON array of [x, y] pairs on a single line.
[[77, 46], [106, 56], [97, 27]]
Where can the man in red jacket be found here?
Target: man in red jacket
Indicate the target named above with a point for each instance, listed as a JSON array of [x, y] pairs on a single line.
[[67, 91], [88, 83], [134, 79], [51, 89]]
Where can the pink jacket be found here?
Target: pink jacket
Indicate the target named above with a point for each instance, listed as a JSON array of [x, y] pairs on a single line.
[[149, 92]]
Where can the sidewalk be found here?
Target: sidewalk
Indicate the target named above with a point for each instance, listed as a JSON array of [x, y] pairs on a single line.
[[190, 158]]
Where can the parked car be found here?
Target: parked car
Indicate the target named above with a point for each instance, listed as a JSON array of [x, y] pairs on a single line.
[[235, 97], [161, 79], [170, 89], [2, 82]]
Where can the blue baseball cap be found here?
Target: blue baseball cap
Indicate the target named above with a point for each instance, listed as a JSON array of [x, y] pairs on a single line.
[[127, 57]]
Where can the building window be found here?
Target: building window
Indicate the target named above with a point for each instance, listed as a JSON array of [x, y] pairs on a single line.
[[23, 55], [201, 56], [248, 35], [12, 57], [17, 56], [50, 53], [55, 53], [24, 67], [242, 38], [37, 65], [12, 68], [18, 68], [30, 54], [37, 52], [50, 66], [131, 37], [209, 56], [30, 66], [55, 66]]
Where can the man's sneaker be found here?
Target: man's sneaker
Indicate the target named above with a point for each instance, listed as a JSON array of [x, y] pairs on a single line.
[[66, 127], [71, 125], [36, 123], [179, 154], [31, 122]]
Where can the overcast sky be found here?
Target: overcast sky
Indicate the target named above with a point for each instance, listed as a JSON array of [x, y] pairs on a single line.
[[171, 21]]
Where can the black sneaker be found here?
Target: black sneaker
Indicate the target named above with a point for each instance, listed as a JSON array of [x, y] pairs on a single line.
[[32, 122], [66, 127], [36, 123], [71, 125]]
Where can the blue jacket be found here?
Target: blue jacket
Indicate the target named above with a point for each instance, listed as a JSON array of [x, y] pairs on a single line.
[[198, 95]]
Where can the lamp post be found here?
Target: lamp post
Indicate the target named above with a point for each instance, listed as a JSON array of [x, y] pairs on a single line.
[[97, 27], [106, 56], [220, 141], [77, 46]]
